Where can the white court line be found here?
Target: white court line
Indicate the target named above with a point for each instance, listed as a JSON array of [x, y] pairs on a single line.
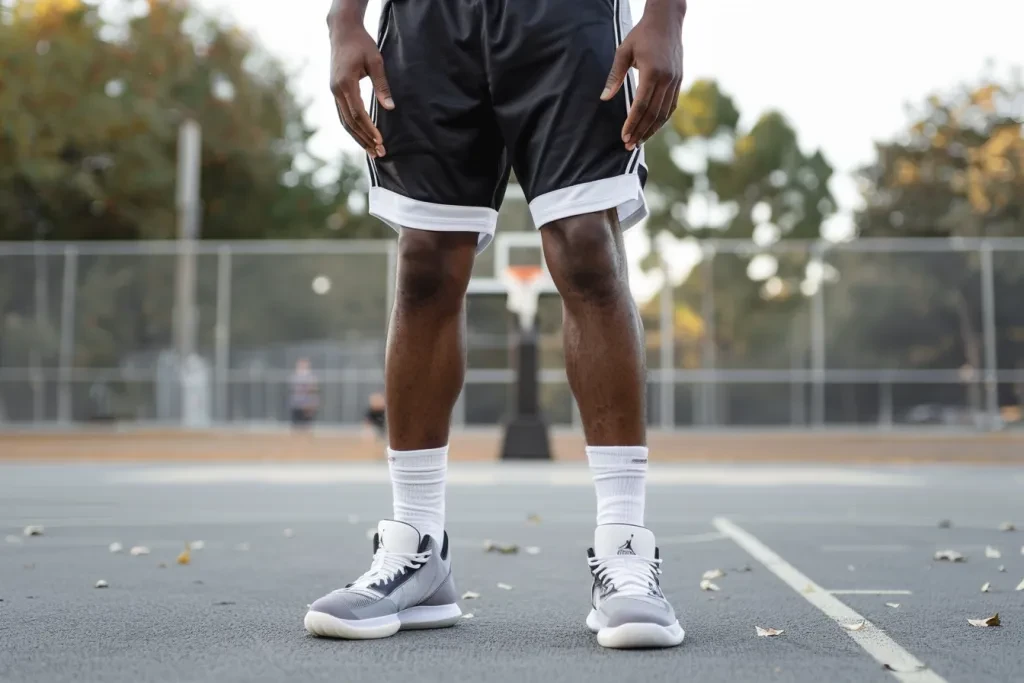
[[886, 651], [868, 591], [865, 548]]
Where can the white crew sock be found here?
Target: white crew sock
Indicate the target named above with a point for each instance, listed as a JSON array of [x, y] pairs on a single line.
[[620, 478], [417, 485]]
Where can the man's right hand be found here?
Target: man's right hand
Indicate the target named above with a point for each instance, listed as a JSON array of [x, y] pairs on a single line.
[[354, 56]]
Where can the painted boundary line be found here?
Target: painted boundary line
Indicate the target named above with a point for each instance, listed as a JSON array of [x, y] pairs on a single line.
[[886, 651], [870, 591]]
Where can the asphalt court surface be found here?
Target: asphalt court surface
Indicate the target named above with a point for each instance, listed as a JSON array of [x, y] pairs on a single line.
[[825, 547]]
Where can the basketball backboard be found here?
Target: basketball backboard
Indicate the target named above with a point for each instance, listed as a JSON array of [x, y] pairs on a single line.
[[516, 243]]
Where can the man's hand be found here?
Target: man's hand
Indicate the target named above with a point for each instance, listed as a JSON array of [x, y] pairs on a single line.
[[354, 56], [655, 47]]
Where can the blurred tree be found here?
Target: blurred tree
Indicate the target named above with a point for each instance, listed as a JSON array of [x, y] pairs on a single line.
[[958, 171], [710, 178], [90, 105], [91, 110]]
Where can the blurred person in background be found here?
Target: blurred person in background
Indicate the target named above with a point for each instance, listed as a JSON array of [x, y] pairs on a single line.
[[304, 395], [374, 419], [463, 92]]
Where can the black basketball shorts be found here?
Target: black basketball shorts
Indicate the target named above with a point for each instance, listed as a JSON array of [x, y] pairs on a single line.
[[485, 86]]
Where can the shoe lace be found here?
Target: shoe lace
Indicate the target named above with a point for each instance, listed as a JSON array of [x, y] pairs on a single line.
[[627, 574], [387, 565]]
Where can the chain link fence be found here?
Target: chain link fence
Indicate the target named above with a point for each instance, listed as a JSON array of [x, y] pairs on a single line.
[[869, 334]]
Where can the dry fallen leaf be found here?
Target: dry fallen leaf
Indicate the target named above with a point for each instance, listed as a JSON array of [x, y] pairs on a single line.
[[950, 556], [713, 574], [1020, 587], [992, 553], [467, 615], [288, 533], [855, 626], [139, 550], [533, 518], [185, 556], [503, 548], [767, 632], [1007, 526], [706, 585], [504, 586], [990, 621], [986, 587], [532, 550], [945, 524], [470, 595], [115, 547], [894, 605], [33, 530], [197, 545]]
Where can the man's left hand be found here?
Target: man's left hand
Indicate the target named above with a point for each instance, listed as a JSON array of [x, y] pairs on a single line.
[[655, 48]]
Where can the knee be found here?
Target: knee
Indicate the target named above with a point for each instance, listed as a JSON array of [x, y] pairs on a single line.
[[433, 268], [586, 259]]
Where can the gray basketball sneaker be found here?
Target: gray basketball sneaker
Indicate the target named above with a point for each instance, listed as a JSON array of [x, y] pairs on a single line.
[[629, 609], [409, 585]]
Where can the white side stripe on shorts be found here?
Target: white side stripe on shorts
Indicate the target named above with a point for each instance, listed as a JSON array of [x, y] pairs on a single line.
[[374, 176]]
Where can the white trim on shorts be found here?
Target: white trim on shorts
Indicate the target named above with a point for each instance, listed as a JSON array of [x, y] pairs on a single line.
[[619, 192], [400, 211]]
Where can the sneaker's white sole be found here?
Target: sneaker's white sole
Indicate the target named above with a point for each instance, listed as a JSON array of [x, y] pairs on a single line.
[[326, 626], [635, 635]]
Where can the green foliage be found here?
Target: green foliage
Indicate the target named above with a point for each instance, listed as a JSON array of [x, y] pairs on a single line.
[[958, 171], [90, 107], [90, 112], [753, 184]]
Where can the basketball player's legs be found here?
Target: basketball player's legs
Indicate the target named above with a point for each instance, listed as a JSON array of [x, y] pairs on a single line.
[[424, 369], [602, 333], [425, 363], [584, 176], [438, 184]]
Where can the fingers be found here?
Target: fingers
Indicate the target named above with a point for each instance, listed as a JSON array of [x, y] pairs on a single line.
[[381, 89], [349, 124], [655, 101], [662, 106], [368, 135], [620, 67], [638, 112]]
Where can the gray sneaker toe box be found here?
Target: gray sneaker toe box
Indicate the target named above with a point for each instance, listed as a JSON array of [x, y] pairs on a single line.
[[638, 610], [351, 606]]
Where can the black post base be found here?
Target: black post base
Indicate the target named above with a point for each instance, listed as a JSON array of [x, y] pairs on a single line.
[[526, 438]]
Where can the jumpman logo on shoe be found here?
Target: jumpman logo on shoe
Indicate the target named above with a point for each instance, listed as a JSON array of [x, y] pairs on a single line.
[[626, 548]]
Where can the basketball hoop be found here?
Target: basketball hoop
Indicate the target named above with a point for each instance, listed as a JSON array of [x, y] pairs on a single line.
[[523, 284]]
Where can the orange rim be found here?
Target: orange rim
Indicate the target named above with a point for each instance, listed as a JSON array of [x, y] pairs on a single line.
[[524, 273]]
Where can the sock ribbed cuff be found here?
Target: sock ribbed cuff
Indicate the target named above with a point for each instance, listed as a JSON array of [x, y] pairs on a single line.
[[620, 482], [418, 488]]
